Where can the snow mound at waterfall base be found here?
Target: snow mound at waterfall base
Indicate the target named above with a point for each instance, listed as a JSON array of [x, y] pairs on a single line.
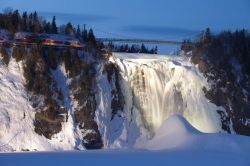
[[176, 133]]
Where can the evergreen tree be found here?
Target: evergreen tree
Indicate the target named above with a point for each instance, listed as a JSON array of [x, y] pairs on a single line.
[[207, 35], [126, 48], [143, 49], [85, 35], [37, 24], [132, 49], [74, 31], [155, 50], [78, 32], [69, 29], [110, 46], [8, 11], [61, 29], [121, 48], [24, 21], [30, 23], [47, 27], [16, 20], [53, 26], [35, 17], [91, 38]]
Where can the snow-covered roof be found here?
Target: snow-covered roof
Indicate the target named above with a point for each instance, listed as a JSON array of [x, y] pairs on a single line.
[[20, 35]]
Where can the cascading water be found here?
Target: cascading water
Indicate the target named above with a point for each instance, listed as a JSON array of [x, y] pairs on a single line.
[[162, 86]]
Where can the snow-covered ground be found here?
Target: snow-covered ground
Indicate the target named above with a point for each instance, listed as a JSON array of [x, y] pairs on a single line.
[[175, 143]]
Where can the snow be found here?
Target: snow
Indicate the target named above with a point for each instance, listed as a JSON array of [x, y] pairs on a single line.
[[103, 112], [16, 112], [176, 143], [123, 158], [68, 136], [122, 130], [20, 35]]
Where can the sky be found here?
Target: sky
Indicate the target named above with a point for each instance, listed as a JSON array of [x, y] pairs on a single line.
[[157, 19]]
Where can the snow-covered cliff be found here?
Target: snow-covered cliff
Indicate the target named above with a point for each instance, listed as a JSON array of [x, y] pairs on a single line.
[[54, 99]]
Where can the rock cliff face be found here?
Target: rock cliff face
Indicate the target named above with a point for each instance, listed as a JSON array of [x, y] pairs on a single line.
[[224, 61], [64, 98], [60, 86], [229, 89]]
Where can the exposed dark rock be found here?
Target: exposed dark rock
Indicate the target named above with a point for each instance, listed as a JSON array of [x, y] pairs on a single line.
[[19, 52], [4, 54], [25, 150], [39, 82], [118, 101], [47, 124], [225, 120], [82, 85]]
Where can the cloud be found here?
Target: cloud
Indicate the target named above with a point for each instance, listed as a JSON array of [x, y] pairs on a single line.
[[158, 30]]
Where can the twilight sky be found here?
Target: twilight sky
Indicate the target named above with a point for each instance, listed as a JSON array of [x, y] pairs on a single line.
[[143, 18]]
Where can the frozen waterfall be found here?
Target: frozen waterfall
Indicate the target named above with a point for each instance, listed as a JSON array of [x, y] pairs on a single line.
[[160, 86]]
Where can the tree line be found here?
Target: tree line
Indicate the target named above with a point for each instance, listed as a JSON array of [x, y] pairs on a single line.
[[134, 48], [14, 22], [224, 48]]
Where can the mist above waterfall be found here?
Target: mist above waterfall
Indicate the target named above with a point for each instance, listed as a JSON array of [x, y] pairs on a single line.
[[162, 86]]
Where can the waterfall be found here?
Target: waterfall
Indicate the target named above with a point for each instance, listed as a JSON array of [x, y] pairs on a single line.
[[165, 85]]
